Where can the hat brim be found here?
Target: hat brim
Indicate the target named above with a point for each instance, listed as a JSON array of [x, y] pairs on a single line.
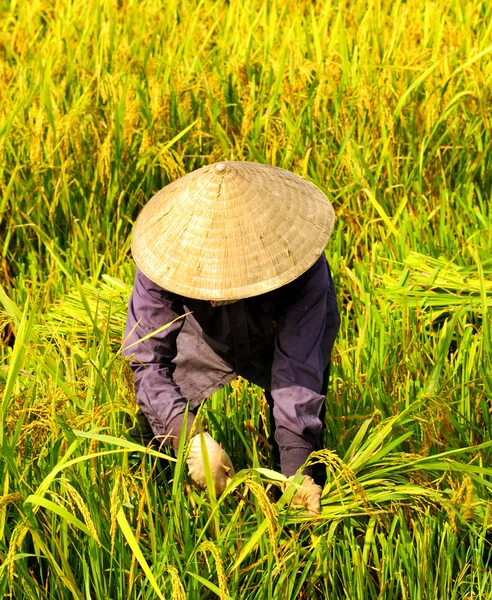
[[232, 230]]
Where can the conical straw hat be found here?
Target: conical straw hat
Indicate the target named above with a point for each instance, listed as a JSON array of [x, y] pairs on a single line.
[[231, 230]]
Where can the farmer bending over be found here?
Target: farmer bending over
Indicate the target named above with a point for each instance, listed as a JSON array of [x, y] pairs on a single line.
[[238, 246]]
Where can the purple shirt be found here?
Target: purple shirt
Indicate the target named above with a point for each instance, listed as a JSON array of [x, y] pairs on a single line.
[[281, 341]]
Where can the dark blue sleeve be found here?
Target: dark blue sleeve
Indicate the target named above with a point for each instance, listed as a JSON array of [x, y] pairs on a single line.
[[158, 396], [307, 330]]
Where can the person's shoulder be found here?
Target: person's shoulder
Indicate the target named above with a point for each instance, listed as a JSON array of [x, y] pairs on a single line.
[[316, 275], [146, 284]]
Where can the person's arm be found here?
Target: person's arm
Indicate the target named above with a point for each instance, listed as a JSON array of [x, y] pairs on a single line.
[[158, 396], [307, 330]]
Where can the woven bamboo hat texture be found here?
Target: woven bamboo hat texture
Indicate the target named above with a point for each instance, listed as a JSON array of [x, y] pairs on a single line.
[[231, 230]]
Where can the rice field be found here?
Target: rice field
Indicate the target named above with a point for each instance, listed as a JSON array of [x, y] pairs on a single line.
[[386, 107]]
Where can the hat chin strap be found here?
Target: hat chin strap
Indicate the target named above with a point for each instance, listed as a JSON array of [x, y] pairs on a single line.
[[215, 303]]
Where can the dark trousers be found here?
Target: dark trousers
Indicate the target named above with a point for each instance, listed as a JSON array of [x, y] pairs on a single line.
[[318, 469]]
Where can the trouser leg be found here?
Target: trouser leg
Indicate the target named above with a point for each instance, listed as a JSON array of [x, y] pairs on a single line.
[[142, 434], [319, 470], [275, 460]]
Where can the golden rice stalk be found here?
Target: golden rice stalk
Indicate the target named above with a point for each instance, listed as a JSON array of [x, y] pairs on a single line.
[[132, 118], [462, 496], [105, 152], [177, 591], [36, 151], [339, 470], [270, 515], [84, 511], [60, 500], [9, 498], [93, 444], [468, 501], [113, 508], [15, 545], [210, 547], [263, 413]]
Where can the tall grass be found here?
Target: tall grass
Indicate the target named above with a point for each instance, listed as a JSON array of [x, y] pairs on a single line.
[[385, 106]]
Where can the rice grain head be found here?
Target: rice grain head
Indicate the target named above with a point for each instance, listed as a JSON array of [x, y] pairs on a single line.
[[214, 551], [270, 515], [113, 508], [177, 591], [78, 500], [340, 470], [15, 545]]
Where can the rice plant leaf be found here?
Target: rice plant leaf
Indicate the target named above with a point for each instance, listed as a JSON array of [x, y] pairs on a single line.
[[155, 332], [66, 578], [180, 135], [483, 295], [250, 545], [59, 510], [8, 190], [10, 308], [359, 437], [132, 542], [62, 465], [387, 448], [404, 97], [432, 386], [109, 439], [381, 212], [280, 75], [215, 589], [86, 306], [471, 61], [16, 360], [12, 559], [373, 444], [270, 474]]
